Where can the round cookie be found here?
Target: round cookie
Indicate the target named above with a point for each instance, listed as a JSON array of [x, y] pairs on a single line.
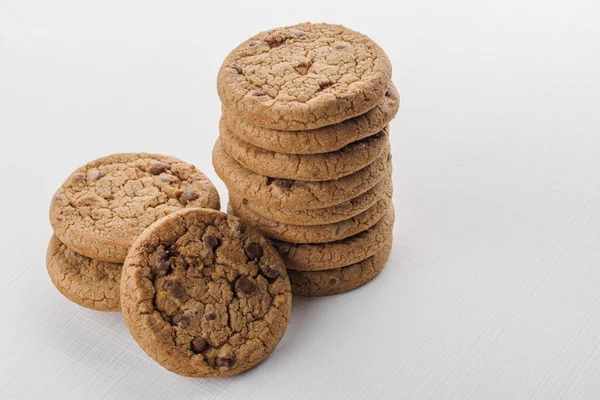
[[305, 167], [320, 216], [203, 295], [310, 233], [324, 256], [339, 280], [322, 140], [297, 195], [89, 283], [104, 205], [303, 77]]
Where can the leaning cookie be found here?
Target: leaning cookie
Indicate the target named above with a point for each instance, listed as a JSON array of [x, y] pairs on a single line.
[[339, 280], [203, 295], [322, 140], [104, 205], [303, 77], [87, 282]]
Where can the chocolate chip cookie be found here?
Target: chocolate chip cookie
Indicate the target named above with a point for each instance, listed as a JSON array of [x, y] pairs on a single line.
[[204, 295], [320, 216], [303, 77], [87, 282], [322, 140], [323, 256], [305, 167], [297, 195], [339, 280], [310, 233], [104, 205]]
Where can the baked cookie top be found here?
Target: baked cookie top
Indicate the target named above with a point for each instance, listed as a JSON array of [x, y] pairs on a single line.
[[104, 205], [304, 76], [203, 295]]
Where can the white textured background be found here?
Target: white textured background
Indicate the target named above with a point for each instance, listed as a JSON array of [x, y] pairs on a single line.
[[493, 286]]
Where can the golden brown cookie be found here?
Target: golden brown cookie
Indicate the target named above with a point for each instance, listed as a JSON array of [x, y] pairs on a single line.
[[305, 167], [309, 233], [322, 140], [323, 256], [303, 77], [104, 205], [339, 280], [203, 295], [297, 195], [320, 216], [89, 283]]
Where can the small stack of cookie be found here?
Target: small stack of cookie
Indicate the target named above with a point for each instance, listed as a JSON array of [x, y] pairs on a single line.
[[304, 150], [101, 209]]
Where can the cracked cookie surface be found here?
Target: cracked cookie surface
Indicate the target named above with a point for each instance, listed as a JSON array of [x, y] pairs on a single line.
[[303, 77], [339, 280], [320, 216], [204, 295], [297, 195], [104, 205], [322, 140], [324, 256], [90, 283], [305, 167], [309, 233]]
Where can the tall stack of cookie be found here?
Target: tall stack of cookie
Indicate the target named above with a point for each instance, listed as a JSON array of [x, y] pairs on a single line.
[[304, 150]]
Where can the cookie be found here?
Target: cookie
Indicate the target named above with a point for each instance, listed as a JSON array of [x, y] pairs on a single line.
[[322, 140], [309, 233], [303, 77], [104, 205], [203, 295], [339, 280], [297, 195], [89, 283], [305, 167], [324, 256], [320, 216]]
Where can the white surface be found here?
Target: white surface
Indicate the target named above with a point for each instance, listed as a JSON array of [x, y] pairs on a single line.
[[493, 287]]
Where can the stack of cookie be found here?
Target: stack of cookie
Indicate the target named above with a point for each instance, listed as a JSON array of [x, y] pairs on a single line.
[[101, 209], [304, 150]]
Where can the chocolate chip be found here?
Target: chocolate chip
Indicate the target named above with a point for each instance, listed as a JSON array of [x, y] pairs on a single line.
[[210, 315], [211, 241], [253, 251], [245, 202], [163, 262], [226, 362], [389, 157], [332, 282], [244, 285], [199, 345], [283, 183], [180, 320], [257, 93], [251, 44], [236, 69], [284, 248], [239, 228], [188, 196], [159, 167], [340, 46], [324, 84], [177, 290], [268, 272], [389, 92]]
